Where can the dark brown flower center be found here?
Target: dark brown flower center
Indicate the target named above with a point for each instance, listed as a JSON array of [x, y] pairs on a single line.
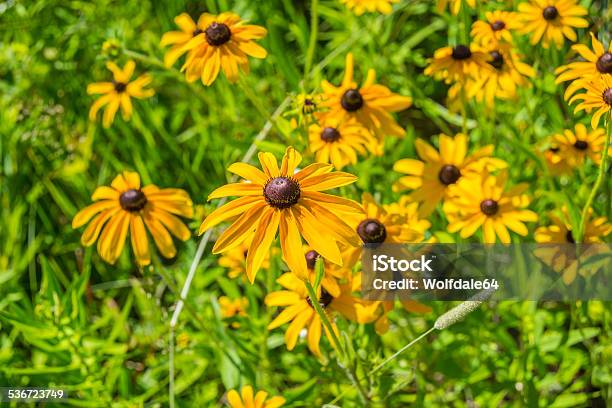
[[282, 192], [352, 100], [498, 25], [581, 145], [554, 150], [550, 13], [217, 34], [372, 231], [309, 106], [311, 258], [449, 174], [489, 207], [461, 52], [497, 59], [330, 135], [132, 200], [604, 63], [607, 96], [120, 86], [324, 300], [197, 32], [569, 237]]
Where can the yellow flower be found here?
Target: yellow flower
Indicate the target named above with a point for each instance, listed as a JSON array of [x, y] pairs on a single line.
[[483, 202], [564, 258], [409, 209], [118, 92], [369, 104], [377, 225], [455, 5], [560, 231], [556, 163], [502, 82], [598, 62], [292, 201], [231, 308], [598, 95], [576, 146], [458, 63], [550, 20], [339, 142], [217, 43], [498, 28], [299, 311], [126, 206], [430, 178], [361, 6], [259, 400]]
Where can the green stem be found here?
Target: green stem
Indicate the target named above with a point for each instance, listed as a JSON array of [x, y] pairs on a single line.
[[597, 185], [387, 361], [400, 351], [312, 41], [314, 300]]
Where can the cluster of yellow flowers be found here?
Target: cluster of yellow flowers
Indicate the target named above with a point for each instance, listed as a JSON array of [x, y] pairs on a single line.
[[290, 201]]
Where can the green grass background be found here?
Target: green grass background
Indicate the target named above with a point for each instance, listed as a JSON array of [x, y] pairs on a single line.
[[101, 332]]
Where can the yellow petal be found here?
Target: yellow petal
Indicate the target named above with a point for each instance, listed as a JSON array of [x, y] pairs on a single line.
[[260, 247], [87, 213], [140, 242], [291, 245], [242, 228], [237, 189], [229, 210]]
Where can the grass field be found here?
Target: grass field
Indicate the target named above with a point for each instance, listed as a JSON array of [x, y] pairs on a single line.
[[474, 129]]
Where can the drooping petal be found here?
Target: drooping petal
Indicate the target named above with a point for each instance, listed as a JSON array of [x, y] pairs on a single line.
[[262, 240]]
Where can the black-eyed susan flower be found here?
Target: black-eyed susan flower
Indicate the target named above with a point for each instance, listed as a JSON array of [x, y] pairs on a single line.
[[409, 209], [377, 225], [483, 202], [497, 28], [454, 5], [555, 162], [598, 96], [339, 143], [370, 104], [564, 258], [126, 206], [118, 92], [361, 6], [508, 74], [458, 63], [580, 144], [430, 177], [548, 21], [289, 200], [219, 43], [597, 62], [299, 310], [247, 399], [233, 307], [560, 229]]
